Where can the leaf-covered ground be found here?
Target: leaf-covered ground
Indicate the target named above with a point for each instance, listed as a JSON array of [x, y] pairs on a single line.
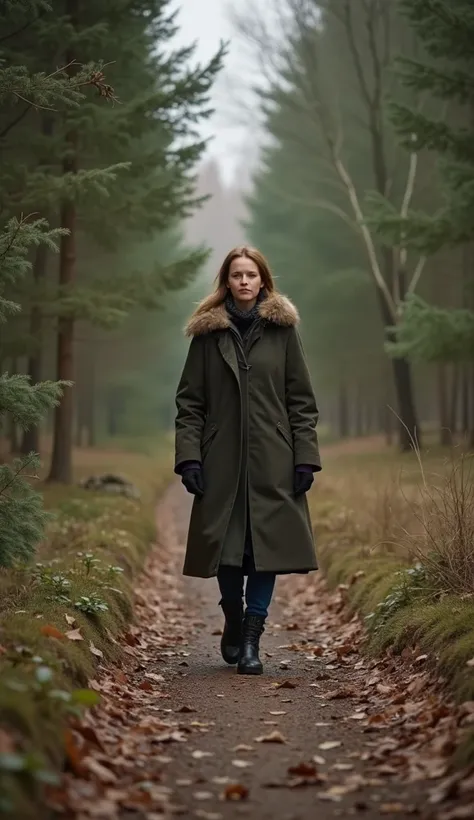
[[326, 732]]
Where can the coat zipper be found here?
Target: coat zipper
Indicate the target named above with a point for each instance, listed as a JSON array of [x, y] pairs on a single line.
[[246, 367]]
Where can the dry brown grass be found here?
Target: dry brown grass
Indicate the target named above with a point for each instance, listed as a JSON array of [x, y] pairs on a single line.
[[91, 554], [417, 507]]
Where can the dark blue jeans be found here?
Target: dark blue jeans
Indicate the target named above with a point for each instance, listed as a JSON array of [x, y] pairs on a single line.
[[258, 592]]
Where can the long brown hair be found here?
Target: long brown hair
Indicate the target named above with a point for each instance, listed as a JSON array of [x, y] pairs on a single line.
[[217, 297]]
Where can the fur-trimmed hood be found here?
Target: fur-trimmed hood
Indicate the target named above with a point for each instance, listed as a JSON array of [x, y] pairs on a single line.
[[275, 308]]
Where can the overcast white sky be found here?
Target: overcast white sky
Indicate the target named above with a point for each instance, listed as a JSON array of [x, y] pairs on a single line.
[[208, 22]]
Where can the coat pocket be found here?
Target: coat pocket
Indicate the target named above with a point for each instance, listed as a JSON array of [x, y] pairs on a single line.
[[285, 434], [207, 439]]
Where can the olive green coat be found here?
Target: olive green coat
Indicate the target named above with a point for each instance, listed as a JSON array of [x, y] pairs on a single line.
[[249, 415]]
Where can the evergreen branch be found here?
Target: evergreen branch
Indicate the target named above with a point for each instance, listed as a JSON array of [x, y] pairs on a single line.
[[11, 479], [17, 32], [25, 402], [14, 122], [433, 334]]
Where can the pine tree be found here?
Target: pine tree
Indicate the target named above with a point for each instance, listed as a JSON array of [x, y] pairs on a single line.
[[21, 515], [36, 96], [153, 130], [446, 31], [22, 93]]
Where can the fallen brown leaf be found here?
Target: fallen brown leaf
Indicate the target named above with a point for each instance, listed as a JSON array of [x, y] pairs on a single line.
[[329, 744], [75, 752], [97, 652], [89, 734], [273, 737], [104, 774], [459, 813], [235, 791], [154, 676], [52, 632], [303, 770]]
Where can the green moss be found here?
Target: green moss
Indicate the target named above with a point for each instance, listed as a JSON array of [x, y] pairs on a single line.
[[94, 548], [441, 625]]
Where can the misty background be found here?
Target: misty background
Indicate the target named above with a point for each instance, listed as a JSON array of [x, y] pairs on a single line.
[[311, 129]]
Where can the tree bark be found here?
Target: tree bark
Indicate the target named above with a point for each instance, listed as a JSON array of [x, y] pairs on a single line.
[[61, 462], [31, 437], [471, 411], [85, 427], [409, 432], [12, 432], [89, 414], [343, 410], [112, 417], [454, 400], [359, 413], [464, 401], [387, 425], [445, 438]]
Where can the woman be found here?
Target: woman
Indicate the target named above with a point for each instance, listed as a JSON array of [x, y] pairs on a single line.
[[246, 447]]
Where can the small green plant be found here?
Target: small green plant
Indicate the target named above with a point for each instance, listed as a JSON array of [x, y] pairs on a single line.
[[413, 582], [91, 604], [88, 561], [58, 582]]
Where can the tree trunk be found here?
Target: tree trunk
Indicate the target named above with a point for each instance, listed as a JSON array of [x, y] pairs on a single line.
[[343, 410], [85, 427], [464, 400], [387, 425], [31, 437], [453, 407], [61, 463], [12, 432], [471, 411], [409, 433], [359, 413], [408, 427], [443, 406], [112, 417], [90, 407]]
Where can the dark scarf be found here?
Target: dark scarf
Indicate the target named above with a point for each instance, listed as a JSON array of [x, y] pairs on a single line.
[[243, 319]]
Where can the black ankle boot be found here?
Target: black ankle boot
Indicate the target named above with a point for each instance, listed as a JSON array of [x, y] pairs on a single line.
[[232, 634], [249, 661]]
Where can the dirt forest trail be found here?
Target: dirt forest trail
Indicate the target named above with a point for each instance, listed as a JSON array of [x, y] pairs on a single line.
[[325, 732]]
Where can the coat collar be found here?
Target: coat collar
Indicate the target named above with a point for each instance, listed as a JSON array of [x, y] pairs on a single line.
[[276, 309]]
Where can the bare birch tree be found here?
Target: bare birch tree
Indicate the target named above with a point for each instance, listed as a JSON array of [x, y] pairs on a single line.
[[300, 57]]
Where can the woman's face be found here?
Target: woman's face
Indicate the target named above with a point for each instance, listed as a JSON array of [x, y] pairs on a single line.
[[245, 281]]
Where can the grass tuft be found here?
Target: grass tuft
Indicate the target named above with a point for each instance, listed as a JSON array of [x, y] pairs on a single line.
[[403, 548], [82, 580]]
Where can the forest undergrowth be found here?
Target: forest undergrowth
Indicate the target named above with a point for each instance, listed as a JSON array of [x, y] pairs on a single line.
[[61, 615], [395, 535]]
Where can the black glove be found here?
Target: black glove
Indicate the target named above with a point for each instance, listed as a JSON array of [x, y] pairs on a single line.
[[192, 480], [303, 481]]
